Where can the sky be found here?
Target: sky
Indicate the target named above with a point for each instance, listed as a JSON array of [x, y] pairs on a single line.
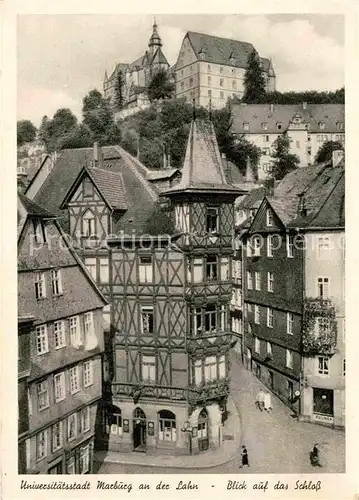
[[62, 57]]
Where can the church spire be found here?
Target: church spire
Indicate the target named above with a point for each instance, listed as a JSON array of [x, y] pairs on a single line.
[[155, 40]]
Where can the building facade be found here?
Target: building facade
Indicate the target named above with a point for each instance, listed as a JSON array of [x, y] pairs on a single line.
[[60, 362], [308, 127], [132, 79], [212, 69]]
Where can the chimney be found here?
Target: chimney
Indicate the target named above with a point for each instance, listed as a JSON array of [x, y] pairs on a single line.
[[271, 108], [249, 172], [305, 105], [164, 158], [97, 154], [226, 168], [337, 157], [168, 161]]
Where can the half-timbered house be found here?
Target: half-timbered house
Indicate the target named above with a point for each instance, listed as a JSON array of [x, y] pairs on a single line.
[[60, 348]]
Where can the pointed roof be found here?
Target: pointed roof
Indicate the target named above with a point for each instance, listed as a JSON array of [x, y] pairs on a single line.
[[203, 168], [155, 37], [159, 57]]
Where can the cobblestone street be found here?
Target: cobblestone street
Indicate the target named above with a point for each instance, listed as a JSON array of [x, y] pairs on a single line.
[[276, 442]]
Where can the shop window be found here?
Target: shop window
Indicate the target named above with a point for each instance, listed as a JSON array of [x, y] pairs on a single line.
[[167, 426]]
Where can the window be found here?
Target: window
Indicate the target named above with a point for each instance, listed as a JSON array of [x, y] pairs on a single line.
[[88, 188], [182, 85], [209, 69], [59, 387], [289, 359], [42, 345], [297, 144], [40, 286], [269, 349], [41, 445], [210, 368], [210, 93], [88, 224], [323, 326], [42, 395], [89, 331], [249, 248], [234, 84], [249, 280], [56, 436], [196, 320], [321, 126], [38, 232], [323, 365], [190, 82], [148, 368], [246, 126], [211, 267], [249, 306], [225, 268], [257, 345], [197, 273], [289, 246], [266, 138], [167, 426], [147, 319], [266, 151], [257, 246], [72, 426], [56, 283], [269, 218], [104, 270], [269, 317], [223, 317], [265, 126], [91, 267], [279, 126], [323, 246], [145, 268], [270, 281], [269, 245], [85, 419], [343, 367], [74, 379], [323, 287], [290, 323], [212, 219], [87, 373], [221, 95], [221, 69], [257, 280], [256, 314], [221, 82], [59, 333], [210, 317], [115, 422], [198, 371], [222, 366], [85, 459], [249, 328], [75, 331]]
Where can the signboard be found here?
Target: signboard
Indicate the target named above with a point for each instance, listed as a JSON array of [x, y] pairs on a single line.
[[126, 425], [327, 419], [151, 428]]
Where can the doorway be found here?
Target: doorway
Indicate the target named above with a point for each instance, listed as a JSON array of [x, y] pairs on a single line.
[[203, 440], [139, 430]]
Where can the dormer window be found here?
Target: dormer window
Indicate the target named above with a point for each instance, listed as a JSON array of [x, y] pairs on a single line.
[[279, 126], [39, 231], [212, 222], [340, 125], [88, 224], [202, 54], [88, 188], [245, 126], [265, 126], [269, 217], [321, 125]]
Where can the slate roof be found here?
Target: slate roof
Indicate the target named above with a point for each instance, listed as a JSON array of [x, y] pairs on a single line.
[[202, 168], [256, 114], [164, 173], [140, 196], [33, 208], [111, 186], [252, 199], [221, 50]]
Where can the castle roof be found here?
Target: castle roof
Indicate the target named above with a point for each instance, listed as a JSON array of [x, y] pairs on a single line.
[[254, 115], [217, 50]]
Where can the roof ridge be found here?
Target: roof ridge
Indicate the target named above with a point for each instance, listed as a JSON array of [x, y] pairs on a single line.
[[219, 37]]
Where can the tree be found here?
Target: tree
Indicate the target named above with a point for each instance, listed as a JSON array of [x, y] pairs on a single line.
[[324, 154], [254, 80], [98, 118], [78, 137], [160, 86], [308, 96], [26, 132], [119, 91], [284, 161]]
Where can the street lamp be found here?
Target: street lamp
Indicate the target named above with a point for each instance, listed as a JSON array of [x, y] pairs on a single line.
[[188, 428]]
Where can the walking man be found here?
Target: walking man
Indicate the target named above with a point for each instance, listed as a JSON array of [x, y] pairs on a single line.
[[260, 400], [267, 401], [245, 461]]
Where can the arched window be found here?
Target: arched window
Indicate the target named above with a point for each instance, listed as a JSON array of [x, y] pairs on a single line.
[[139, 413], [166, 426], [115, 420], [88, 224]]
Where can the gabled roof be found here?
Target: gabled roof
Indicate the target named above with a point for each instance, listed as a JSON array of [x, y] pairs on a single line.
[[253, 199], [159, 57], [109, 184], [219, 50], [140, 195], [273, 114], [202, 168], [33, 208]]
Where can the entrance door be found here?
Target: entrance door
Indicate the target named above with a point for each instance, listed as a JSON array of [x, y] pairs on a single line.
[[139, 430], [323, 402], [203, 440]]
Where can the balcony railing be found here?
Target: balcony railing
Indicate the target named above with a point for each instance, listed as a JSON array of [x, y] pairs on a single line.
[[317, 340], [208, 391], [207, 339]]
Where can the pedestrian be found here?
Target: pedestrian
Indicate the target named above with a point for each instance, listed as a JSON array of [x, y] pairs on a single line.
[[267, 402], [245, 461], [260, 400], [314, 456]]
